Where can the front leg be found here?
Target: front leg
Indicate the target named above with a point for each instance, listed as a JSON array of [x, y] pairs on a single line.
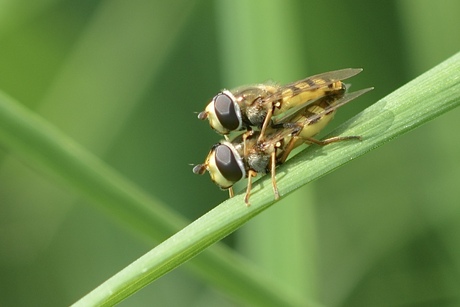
[[230, 192], [267, 121], [245, 137], [273, 174], [251, 174]]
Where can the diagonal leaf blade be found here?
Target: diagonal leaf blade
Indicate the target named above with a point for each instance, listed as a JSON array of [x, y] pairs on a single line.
[[428, 96]]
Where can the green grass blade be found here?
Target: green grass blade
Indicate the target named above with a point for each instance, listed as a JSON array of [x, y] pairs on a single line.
[[45, 148], [419, 101]]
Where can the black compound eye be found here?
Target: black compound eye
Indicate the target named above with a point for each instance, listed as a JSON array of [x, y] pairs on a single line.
[[227, 164], [225, 112]]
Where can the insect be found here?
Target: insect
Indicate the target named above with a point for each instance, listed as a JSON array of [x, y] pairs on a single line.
[[245, 157], [253, 106]]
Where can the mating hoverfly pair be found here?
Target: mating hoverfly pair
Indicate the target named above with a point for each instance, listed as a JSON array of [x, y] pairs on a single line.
[[275, 120]]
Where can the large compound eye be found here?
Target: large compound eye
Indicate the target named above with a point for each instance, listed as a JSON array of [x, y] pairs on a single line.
[[228, 116], [227, 164]]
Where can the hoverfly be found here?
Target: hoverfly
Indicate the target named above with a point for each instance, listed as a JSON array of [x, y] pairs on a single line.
[[244, 157], [253, 106]]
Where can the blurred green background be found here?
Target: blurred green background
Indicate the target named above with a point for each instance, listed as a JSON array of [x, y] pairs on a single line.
[[124, 78]]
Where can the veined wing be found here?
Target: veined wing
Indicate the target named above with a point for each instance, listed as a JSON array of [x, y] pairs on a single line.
[[278, 134], [288, 116], [249, 93], [334, 106], [310, 84]]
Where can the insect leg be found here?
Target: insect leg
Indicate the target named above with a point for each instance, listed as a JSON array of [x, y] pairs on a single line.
[[267, 121], [273, 173], [332, 139], [245, 136], [251, 174], [230, 192], [295, 129]]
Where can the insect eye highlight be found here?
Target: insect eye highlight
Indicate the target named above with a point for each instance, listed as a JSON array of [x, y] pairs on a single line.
[[226, 112], [228, 164]]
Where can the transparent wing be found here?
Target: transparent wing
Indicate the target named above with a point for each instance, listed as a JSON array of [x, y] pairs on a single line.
[[293, 112], [276, 134], [249, 93], [337, 104], [312, 83]]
